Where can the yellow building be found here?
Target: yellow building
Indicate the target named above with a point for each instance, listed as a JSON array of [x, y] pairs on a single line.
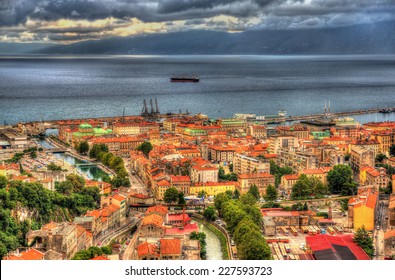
[[212, 188], [361, 209]]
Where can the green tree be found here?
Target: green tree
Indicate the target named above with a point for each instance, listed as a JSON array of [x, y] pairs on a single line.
[[170, 195], [78, 182], [380, 158], [146, 148], [253, 247], [278, 172], [65, 187], [201, 236], [202, 194], [247, 199], [236, 194], [271, 193], [226, 177], [302, 188], [347, 157], [244, 227], [209, 213], [33, 154], [392, 150], [106, 250], [53, 167], [363, 240], [3, 182], [340, 178], [253, 212], [181, 199], [220, 199], [83, 147], [254, 192]]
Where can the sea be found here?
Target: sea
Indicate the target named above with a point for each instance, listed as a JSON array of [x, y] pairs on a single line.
[[63, 87]]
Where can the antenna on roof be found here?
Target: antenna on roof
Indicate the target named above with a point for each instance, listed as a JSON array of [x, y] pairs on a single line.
[[157, 107]]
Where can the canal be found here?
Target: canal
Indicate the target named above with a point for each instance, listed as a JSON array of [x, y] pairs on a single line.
[[92, 172], [213, 247]]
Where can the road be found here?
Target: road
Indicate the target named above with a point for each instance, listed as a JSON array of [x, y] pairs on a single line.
[[136, 184], [108, 236], [128, 254], [315, 200], [381, 225]]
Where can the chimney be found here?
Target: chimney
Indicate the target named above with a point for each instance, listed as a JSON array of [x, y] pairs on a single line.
[[330, 213], [183, 216]]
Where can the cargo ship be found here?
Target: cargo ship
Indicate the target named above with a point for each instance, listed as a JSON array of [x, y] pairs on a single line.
[[193, 79]]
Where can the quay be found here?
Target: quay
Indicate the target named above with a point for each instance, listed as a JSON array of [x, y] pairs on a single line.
[[339, 114], [38, 126]]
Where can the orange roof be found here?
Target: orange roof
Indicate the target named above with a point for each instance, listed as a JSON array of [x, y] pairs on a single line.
[[255, 175], [163, 183], [12, 258], [32, 255], [158, 209], [204, 167], [180, 178], [100, 258], [170, 246], [80, 230], [270, 155], [119, 197], [312, 171], [367, 198], [373, 172], [389, 234], [49, 226], [291, 177], [139, 195], [94, 213], [113, 207], [229, 183], [371, 201], [153, 219], [147, 249]]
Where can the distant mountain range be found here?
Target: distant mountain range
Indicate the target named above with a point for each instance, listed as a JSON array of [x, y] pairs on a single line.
[[376, 38]]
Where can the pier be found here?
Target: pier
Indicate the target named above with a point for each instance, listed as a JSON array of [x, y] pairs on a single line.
[[110, 120], [339, 114]]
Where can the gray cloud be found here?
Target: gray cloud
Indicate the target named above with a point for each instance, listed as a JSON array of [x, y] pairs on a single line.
[[269, 14]]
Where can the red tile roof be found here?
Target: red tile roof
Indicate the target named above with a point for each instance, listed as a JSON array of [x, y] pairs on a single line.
[[163, 183], [153, 219], [32, 255], [170, 246], [119, 197], [187, 229], [255, 175], [322, 242], [180, 178], [178, 217], [147, 249], [291, 177], [312, 171], [94, 213], [157, 209], [100, 258]]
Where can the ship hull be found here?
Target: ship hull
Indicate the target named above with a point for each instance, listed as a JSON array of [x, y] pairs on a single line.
[[181, 80]]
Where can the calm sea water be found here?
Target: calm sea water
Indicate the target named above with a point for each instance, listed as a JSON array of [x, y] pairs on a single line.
[[71, 87]]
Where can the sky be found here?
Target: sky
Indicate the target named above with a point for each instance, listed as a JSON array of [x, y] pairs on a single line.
[[68, 21]]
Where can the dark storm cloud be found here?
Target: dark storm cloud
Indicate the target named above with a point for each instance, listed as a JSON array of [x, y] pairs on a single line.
[[247, 14], [13, 12]]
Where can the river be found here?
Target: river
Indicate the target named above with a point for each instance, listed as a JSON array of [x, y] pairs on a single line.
[[213, 247], [92, 172]]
